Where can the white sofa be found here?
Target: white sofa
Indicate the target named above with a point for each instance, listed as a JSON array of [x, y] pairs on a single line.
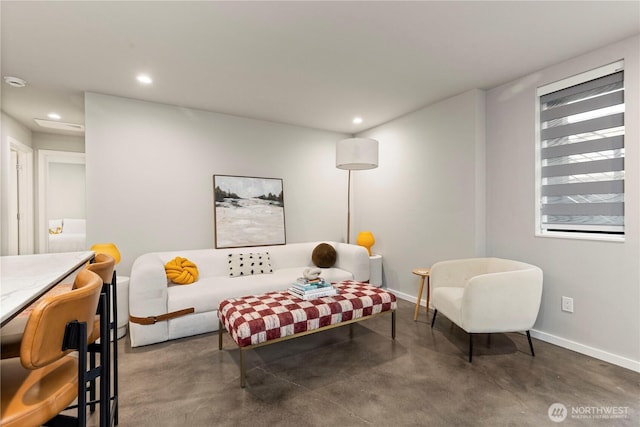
[[485, 295], [151, 295]]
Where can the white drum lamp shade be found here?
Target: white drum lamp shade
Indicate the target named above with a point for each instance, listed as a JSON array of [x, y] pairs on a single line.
[[357, 154]]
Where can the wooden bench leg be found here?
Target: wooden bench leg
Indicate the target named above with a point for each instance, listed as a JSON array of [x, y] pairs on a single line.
[[220, 335], [242, 369]]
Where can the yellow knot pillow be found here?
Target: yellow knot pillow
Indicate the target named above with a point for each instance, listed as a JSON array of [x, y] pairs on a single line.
[[181, 271]]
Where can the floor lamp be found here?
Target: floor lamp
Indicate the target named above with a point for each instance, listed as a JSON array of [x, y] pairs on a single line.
[[355, 154]]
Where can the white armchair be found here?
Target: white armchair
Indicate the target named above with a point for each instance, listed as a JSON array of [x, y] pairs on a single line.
[[485, 295]]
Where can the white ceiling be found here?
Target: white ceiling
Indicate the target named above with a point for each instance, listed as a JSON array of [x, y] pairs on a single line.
[[315, 64]]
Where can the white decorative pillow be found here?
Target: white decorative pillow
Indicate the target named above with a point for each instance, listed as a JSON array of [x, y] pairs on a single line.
[[75, 226], [248, 264]]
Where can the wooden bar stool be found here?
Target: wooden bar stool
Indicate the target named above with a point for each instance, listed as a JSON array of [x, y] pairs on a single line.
[[424, 274]]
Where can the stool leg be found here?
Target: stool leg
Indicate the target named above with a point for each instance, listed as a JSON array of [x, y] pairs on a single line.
[[105, 371], [426, 308], [114, 327], [415, 314], [92, 383]]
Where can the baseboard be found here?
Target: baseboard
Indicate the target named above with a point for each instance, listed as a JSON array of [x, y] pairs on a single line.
[[560, 342], [587, 350], [407, 297]]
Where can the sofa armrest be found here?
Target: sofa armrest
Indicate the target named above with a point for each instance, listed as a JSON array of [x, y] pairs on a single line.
[[148, 297], [503, 301], [353, 258], [148, 286]]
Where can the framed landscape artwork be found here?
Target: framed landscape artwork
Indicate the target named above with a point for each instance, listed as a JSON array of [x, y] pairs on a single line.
[[248, 211]]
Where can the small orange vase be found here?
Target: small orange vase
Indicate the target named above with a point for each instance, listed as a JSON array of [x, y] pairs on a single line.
[[366, 239]]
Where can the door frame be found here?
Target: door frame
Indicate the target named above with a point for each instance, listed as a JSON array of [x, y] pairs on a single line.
[[45, 158], [25, 225]]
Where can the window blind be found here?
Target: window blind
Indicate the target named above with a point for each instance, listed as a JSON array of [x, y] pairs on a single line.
[[582, 156]]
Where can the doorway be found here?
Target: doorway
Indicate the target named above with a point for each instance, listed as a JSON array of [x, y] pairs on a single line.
[[61, 198], [20, 221]]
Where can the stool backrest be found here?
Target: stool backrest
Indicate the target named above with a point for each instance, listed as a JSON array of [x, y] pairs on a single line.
[[103, 266], [45, 330]]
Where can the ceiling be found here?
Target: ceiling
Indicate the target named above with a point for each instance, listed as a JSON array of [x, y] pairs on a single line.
[[314, 64]]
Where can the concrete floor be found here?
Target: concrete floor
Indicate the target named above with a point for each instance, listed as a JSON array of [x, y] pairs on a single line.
[[328, 379]]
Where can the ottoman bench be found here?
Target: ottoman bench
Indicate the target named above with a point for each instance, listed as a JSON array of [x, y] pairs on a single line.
[[257, 320]]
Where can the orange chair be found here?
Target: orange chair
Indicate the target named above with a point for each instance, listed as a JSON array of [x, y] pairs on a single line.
[[46, 379]]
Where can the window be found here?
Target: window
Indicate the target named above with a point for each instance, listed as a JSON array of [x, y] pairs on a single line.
[[580, 165]]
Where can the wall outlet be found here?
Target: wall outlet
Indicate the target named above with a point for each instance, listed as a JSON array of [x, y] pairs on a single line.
[[567, 304]]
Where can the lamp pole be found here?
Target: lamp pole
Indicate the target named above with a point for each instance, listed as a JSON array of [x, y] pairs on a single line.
[[349, 208]]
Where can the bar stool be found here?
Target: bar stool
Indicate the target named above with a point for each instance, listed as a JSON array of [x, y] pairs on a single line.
[[104, 266], [56, 327]]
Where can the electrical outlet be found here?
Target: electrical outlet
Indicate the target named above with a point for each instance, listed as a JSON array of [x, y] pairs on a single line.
[[567, 304]]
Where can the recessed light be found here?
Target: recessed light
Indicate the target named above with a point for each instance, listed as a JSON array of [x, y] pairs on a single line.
[[15, 81], [357, 120], [144, 79], [54, 116]]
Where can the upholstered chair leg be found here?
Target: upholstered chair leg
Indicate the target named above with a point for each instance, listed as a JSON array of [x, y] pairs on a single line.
[[530, 344], [470, 346], [435, 312]]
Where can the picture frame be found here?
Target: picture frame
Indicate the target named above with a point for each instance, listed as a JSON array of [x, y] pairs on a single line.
[[248, 211]]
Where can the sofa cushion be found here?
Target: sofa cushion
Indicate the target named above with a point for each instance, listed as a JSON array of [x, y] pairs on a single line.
[[250, 263], [324, 255], [206, 294]]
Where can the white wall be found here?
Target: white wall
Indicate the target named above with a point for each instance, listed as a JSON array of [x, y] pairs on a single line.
[[150, 174], [603, 278], [66, 191], [50, 141], [425, 201]]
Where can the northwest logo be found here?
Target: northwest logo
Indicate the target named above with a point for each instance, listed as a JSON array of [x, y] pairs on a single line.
[[557, 412]]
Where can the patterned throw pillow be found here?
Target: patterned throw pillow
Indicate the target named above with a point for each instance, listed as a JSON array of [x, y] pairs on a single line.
[[248, 264]]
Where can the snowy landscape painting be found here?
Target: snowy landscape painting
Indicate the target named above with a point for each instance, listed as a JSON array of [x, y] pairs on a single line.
[[248, 211]]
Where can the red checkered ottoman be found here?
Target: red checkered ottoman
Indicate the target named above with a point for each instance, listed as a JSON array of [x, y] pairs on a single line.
[[257, 320]]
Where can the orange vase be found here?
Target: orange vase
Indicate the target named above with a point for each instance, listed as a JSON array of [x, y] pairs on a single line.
[[366, 239]]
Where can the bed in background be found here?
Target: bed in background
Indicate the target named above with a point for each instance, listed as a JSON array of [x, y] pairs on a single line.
[[67, 235]]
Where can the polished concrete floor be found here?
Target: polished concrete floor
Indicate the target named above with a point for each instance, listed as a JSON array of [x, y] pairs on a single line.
[[330, 379]]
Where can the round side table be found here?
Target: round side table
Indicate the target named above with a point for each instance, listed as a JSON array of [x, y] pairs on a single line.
[[424, 274]]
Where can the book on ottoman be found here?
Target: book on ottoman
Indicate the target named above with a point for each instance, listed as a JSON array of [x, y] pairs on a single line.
[[318, 290]]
